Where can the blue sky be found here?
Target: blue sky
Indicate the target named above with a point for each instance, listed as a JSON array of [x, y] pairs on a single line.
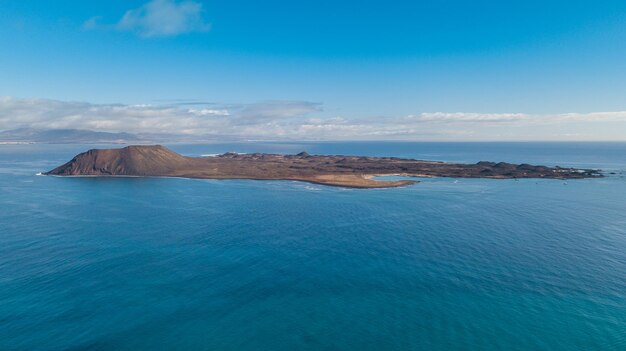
[[416, 70]]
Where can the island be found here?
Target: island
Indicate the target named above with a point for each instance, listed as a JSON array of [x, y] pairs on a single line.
[[334, 170]]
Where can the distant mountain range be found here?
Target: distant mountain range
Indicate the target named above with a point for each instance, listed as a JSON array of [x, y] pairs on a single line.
[[82, 136], [33, 135]]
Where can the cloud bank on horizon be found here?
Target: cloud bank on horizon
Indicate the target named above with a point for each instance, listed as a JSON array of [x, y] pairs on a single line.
[[290, 120]]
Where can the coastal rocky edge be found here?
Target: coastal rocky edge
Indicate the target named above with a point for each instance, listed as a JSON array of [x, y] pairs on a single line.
[[335, 170]]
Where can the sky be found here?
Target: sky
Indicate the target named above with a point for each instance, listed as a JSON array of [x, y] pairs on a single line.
[[447, 70]]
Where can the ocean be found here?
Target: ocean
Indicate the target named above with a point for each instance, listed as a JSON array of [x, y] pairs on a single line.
[[445, 264]]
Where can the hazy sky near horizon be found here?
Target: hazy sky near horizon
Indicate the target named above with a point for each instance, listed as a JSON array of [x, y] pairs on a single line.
[[411, 70]]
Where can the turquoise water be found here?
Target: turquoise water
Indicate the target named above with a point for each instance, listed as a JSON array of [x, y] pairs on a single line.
[[163, 264]]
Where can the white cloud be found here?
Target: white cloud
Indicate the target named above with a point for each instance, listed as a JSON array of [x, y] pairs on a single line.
[[209, 112], [227, 119], [92, 23], [523, 118], [161, 18], [305, 120], [468, 117], [618, 116]]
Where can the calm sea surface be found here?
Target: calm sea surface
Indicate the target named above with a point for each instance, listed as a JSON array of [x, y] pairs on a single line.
[[165, 264]]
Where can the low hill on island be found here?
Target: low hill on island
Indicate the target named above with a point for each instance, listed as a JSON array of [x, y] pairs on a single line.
[[346, 171]]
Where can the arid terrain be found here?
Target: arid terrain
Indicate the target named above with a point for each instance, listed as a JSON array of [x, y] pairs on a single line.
[[344, 171]]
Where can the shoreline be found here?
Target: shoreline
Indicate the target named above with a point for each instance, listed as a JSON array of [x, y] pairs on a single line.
[[399, 183], [344, 184]]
